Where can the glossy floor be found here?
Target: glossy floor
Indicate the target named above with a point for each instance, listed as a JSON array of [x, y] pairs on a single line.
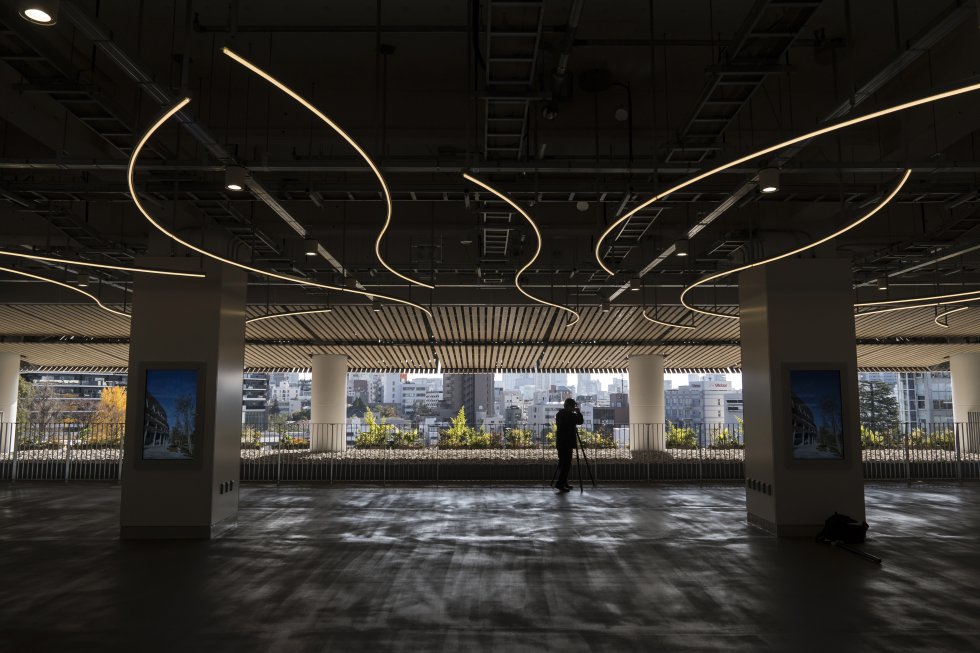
[[636, 568]]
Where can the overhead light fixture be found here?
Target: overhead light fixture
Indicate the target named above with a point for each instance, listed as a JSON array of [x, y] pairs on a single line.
[[700, 282], [769, 180], [682, 248], [40, 12], [882, 283], [131, 186], [537, 252], [582, 206], [376, 307], [621, 114], [667, 324], [944, 316], [310, 247], [389, 207], [597, 251], [69, 287], [635, 284], [235, 178], [466, 241], [604, 307], [82, 281], [101, 266]]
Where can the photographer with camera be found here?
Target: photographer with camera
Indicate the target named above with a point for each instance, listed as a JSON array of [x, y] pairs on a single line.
[[566, 436]]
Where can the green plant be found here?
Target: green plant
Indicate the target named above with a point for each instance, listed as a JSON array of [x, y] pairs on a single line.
[[681, 437], [251, 439], [100, 436], [376, 435], [518, 438], [589, 439], [288, 441], [458, 433], [725, 439], [871, 439]]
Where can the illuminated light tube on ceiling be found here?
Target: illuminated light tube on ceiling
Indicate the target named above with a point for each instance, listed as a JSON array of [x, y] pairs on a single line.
[[537, 251], [711, 277], [288, 314], [946, 314], [69, 287], [969, 293], [130, 174], [773, 148], [101, 266], [942, 302], [667, 324], [350, 141]]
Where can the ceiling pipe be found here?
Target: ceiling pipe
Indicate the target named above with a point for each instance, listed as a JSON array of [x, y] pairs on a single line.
[[574, 14]]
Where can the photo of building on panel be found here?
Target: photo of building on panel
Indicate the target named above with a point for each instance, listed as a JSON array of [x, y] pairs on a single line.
[[170, 414], [817, 414]]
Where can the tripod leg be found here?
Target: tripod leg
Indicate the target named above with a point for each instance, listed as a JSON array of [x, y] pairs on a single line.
[[555, 475], [578, 464], [586, 456]]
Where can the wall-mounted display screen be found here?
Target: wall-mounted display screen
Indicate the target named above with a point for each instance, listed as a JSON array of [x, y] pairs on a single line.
[[170, 414], [817, 414]]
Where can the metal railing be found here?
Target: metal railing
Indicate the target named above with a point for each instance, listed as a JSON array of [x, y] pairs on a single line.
[[383, 453]]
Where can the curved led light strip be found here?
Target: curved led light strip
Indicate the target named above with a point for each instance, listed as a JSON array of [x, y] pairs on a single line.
[[274, 275], [287, 314], [667, 324], [969, 293], [101, 266], [948, 313], [711, 277], [350, 141], [774, 148], [69, 287], [915, 306], [517, 278]]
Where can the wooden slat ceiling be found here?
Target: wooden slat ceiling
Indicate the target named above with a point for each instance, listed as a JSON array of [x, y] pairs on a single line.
[[470, 338]]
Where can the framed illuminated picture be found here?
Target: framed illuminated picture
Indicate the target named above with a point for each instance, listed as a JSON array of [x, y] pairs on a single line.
[[816, 414], [172, 424]]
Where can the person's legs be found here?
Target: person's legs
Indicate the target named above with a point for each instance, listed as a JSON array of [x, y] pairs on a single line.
[[564, 464]]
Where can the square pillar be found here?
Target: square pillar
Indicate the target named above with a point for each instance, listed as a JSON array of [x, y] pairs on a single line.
[[182, 449], [799, 385]]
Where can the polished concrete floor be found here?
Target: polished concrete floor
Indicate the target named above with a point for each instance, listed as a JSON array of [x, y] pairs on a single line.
[[636, 568]]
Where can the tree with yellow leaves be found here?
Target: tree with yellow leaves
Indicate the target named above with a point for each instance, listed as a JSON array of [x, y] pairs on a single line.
[[109, 419]]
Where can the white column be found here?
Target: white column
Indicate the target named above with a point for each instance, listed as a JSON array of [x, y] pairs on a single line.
[[328, 403], [965, 372], [646, 395], [796, 319], [9, 381]]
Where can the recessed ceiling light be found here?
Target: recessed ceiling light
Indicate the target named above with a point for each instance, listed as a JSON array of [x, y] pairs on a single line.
[[681, 247], [40, 12], [769, 180], [235, 178], [882, 283], [310, 247], [83, 281]]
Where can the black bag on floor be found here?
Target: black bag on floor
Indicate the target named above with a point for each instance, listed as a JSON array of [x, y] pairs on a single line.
[[841, 528]]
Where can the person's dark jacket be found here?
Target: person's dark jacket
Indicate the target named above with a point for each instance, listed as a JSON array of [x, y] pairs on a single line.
[[566, 421]]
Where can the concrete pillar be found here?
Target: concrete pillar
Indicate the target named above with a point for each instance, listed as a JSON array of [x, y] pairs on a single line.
[[964, 371], [328, 403], [646, 397], [799, 385], [9, 384], [182, 449]]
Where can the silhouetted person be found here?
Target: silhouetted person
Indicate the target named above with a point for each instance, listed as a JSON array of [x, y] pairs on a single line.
[[566, 436]]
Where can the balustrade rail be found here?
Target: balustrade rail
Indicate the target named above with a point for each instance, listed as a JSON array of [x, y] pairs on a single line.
[[522, 452]]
